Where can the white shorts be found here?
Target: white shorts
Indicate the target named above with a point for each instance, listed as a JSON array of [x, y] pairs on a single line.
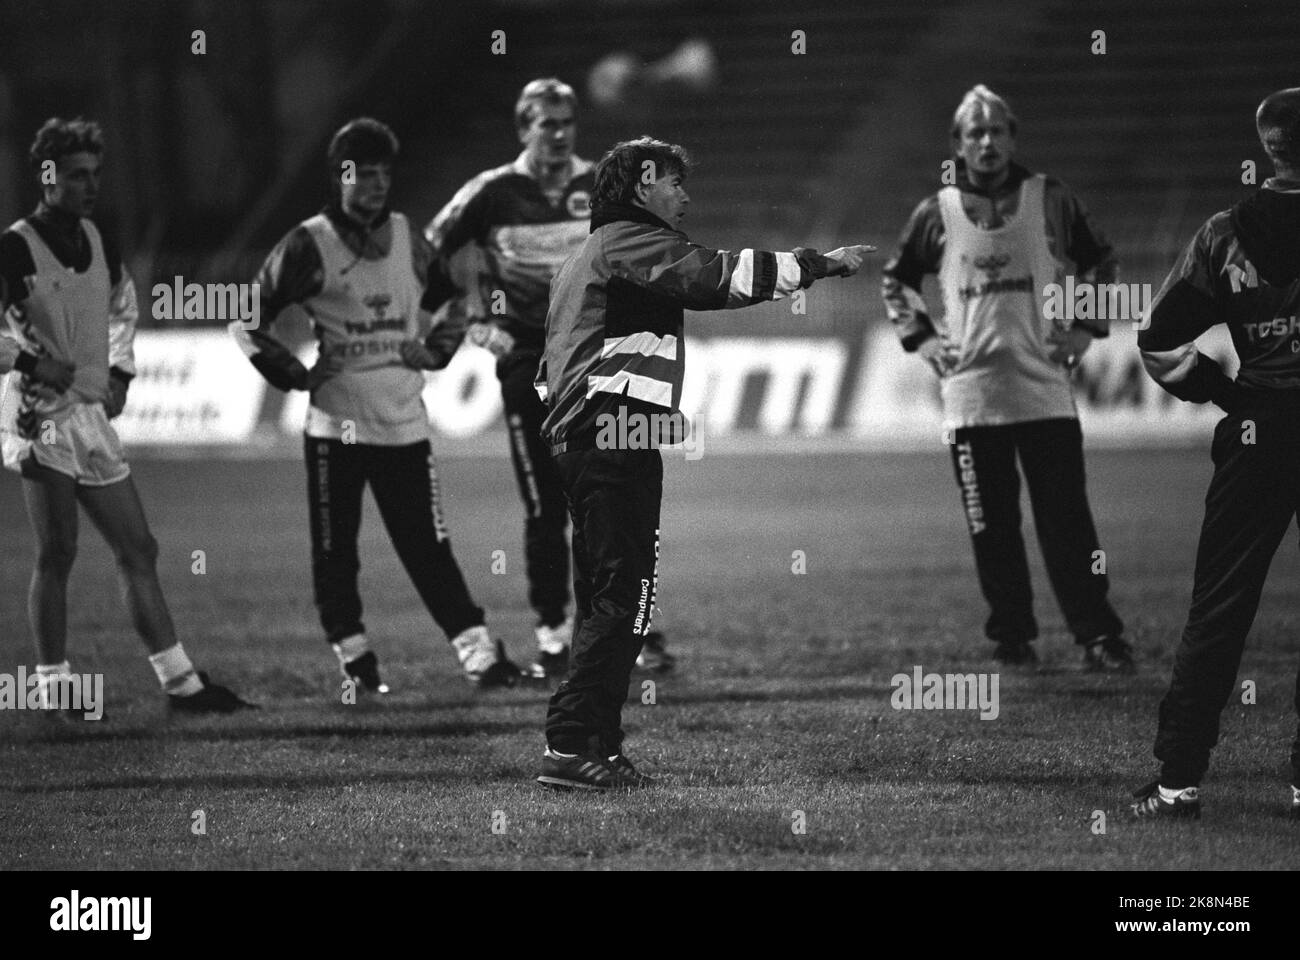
[[78, 442]]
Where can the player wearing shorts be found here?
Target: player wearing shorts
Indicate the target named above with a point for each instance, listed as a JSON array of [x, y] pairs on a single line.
[[70, 313], [615, 353], [506, 232], [997, 239], [360, 272], [1242, 269]]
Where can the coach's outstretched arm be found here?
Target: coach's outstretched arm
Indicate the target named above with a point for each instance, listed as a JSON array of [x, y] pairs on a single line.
[[1182, 311], [703, 279]]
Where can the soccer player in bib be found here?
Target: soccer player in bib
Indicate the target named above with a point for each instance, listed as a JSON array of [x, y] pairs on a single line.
[[1242, 268], [66, 347], [504, 235], [360, 271], [997, 239]]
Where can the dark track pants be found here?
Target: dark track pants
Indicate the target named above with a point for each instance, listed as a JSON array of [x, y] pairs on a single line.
[[546, 549], [405, 484], [614, 498], [1051, 456], [1251, 501]]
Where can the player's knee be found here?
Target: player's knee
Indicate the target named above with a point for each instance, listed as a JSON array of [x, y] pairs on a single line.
[[140, 554], [55, 557]]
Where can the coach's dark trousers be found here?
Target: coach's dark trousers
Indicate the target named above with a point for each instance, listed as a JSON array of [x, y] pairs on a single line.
[[546, 549], [1251, 501], [1051, 456], [405, 484], [614, 498]]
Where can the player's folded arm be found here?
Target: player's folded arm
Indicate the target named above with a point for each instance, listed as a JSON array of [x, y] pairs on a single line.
[[124, 312], [1183, 310], [293, 272], [1085, 246]]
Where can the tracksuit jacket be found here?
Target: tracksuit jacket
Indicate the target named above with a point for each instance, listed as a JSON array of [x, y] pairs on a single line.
[[614, 341]]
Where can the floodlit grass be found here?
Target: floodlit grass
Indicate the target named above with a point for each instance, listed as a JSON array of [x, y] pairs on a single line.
[[780, 714]]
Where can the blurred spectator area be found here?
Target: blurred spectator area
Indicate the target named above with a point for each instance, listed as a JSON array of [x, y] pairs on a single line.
[[213, 156]]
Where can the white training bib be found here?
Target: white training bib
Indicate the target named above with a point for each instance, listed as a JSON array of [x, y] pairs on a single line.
[[993, 284]]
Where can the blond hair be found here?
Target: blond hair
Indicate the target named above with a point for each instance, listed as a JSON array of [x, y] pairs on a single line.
[[980, 97]]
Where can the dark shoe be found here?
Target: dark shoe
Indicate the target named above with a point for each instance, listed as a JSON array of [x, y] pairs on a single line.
[[1109, 655], [633, 777], [586, 771], [654, 656], [1151, 806], [1015, 653], [549, 666], [365, 671], [213, 698], [504, 672]]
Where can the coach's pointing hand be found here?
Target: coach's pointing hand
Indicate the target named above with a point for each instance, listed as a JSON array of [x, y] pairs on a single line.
[[848, 260], [54, 373]]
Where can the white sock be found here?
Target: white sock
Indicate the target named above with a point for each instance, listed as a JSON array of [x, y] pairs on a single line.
[[1295, 794], [350, 648], [1187, 793], [562, 756], [475, 649], [554, 639], [47, 675], [176, 674]]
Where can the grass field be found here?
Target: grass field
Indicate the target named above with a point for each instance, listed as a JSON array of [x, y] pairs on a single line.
[[781, 704]]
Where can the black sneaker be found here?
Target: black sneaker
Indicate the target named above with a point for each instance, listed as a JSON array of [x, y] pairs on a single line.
[[365, 671], [586, 771], [633, 777], [1151, 806], [549, 666], [654, 656], [1015, 653], [503, 672], [213, 698], [1109, 655]]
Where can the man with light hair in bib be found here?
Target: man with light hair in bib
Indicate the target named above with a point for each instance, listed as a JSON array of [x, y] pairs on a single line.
[[998, 238]]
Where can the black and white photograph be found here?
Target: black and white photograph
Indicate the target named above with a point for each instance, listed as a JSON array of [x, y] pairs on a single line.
[[651, 435]]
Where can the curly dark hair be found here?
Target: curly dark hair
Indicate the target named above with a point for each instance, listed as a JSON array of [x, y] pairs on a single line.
[[363, 140], [58, 137], [620, 169]]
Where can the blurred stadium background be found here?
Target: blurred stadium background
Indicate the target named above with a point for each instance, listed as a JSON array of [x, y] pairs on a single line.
[[212, 157]]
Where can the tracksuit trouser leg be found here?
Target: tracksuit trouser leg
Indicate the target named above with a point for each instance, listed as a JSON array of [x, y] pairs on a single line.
[[614, 499]]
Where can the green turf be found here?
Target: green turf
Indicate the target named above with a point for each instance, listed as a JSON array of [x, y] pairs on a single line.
[[782, 703]]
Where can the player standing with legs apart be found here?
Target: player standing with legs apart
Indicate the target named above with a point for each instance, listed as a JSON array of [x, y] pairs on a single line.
[[360, 272], [505, 233], [997, 239], [1242, 268], [70, 308], [615, 354]]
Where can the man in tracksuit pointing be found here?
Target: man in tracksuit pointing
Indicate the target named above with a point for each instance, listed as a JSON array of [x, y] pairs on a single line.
[[615, 355], [1242, 268]]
